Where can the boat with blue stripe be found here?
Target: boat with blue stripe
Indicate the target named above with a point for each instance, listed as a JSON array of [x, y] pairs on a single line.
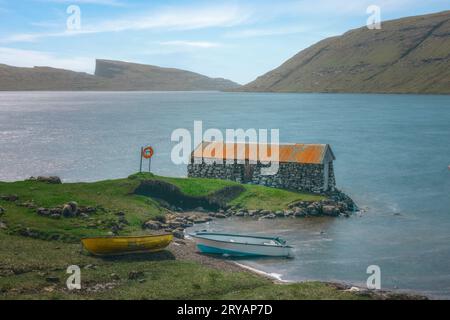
[[241, 245]]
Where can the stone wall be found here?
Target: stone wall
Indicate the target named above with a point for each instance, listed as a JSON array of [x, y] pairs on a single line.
[[293, 176]]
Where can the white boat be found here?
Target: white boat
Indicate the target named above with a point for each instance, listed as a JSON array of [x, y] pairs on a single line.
[[241, 245]]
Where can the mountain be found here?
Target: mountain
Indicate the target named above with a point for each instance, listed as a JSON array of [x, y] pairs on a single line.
[[109, 76], [132, 76], [45, 78], [409, 55]]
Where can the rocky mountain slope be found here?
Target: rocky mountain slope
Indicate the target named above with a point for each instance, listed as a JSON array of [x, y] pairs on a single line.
[[109, 76], [409, 55]]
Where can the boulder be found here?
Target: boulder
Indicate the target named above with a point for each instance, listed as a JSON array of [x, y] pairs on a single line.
[[43, 211], [178, 234], [9, 197], [135, 275], [67, 211], [220, 215], [115, 276], [121, 220], [152, 225], [330, 210], [74, 207], [240, 214], [52, 279], [269, 216], [3, 226], [299, 212], [50, 179], [279, 213], [288, 213]]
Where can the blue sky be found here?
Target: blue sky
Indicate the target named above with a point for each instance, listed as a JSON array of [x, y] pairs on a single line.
[[238, 40]]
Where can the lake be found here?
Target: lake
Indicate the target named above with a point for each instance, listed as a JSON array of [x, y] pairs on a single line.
[[392, 157]]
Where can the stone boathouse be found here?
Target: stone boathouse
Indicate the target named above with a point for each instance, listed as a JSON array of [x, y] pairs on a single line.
[[302, 167]]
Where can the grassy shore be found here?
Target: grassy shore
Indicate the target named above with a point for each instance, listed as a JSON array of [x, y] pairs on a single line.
[[36, 250]]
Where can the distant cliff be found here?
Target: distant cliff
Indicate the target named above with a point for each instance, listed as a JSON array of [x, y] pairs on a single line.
[[109, 76], [409, 55]]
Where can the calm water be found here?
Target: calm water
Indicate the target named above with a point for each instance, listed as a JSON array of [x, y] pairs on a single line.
[[392, 157]]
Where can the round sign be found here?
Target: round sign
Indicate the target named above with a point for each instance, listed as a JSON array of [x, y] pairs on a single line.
[[147, 152]]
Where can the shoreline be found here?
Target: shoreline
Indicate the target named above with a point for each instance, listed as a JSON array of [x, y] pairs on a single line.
[[225, 264]]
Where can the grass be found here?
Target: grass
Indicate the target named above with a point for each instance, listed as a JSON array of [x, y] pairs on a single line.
[[113, 196], [254, 197], [25, 265]]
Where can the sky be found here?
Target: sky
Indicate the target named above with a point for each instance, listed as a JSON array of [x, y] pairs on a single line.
[[237, 40]]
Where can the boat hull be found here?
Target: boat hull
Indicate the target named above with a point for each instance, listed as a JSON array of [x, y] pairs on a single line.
[[103, 246], [241, 249]]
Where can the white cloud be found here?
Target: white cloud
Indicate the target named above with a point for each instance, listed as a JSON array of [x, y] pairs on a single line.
[[30, 58], [175, 18], [262, 32], [98, 2], [191, 44]]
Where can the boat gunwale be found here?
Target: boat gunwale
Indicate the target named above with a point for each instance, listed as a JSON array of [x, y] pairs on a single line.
[[128, 237], [194, 235]]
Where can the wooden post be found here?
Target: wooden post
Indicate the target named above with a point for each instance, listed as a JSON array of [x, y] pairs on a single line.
[[140, 166]]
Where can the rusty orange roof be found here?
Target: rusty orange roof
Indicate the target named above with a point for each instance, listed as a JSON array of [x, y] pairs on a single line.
[[298, 152]]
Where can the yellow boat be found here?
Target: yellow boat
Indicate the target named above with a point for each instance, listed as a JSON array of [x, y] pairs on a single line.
[[102, 246]]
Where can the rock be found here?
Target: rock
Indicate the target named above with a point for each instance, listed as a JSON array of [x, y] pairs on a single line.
[[74, 207], [288, 213], [135, 275], [152, 225], [178, 234], [353, 289], [269, 216], [312, 210], [330, 210], [175, 224], [90, 267], [115, 276], [9, 197], [84, 216], [141, 280], [220, 215], [52, 279], [3, 226], [55, 216], [299, 212], [2, 211], [67, 211], [279, 213], [123, 220], [240, 214], [57, 211], [50, 179], [43, 211], [265, 212]]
